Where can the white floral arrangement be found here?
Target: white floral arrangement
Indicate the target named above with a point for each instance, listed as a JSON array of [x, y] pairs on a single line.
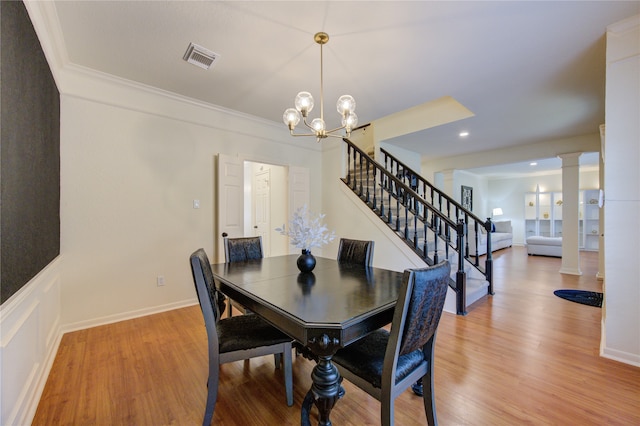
[[306, 230]]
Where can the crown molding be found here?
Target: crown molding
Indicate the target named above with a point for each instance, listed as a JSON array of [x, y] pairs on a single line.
[[86, 83], [624, 25], [46, 24]]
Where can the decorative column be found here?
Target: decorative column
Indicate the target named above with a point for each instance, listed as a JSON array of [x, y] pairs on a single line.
[[570, 213], [600, 274]]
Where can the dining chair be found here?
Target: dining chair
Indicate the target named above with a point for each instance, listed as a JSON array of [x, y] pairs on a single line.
[[355, 251], [234, 339], [385, 363], [240, 249]]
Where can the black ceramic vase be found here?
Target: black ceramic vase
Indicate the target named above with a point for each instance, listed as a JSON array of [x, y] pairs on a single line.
[[306, 261]]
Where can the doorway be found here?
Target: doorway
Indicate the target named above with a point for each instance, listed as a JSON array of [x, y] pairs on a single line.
[[266, 204], [254, 198]]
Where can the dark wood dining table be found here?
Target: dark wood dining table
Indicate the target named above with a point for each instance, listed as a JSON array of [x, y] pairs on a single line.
[[324, 310]]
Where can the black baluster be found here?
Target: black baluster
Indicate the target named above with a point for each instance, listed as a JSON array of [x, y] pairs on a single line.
[[389, 219], [360, 192], [368, 182], [436, 238], [406, 215], [415, 230], [425, 245], [397, 213], [375, 184], [355, 175]]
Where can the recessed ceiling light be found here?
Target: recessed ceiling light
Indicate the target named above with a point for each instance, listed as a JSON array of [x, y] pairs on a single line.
[[533, 164], [463, 134]]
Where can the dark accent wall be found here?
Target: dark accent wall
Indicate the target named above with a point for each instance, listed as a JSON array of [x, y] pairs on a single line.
[[29, 153]]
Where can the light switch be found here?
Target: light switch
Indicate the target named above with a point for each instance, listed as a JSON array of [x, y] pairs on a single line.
[[196, 204]]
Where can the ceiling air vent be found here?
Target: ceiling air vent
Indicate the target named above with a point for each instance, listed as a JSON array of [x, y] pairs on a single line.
[[199, 56]]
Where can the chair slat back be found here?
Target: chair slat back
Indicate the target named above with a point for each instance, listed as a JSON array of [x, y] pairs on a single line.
[[205, 285], [424, 306], [243, 248], [355, 251]]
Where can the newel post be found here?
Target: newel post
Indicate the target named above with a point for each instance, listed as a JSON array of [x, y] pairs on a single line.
[[488, 264], [461, 276]]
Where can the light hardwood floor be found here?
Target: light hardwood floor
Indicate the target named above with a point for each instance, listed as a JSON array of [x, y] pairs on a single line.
[[524, 356]]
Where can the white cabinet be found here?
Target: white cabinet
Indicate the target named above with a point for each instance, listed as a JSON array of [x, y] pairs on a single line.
[[589, 225], [543, 216], [540, 214], [556, 209], [530, 214]]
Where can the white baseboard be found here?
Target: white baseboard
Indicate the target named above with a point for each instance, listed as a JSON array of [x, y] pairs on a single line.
[[625, 357], [110, 319]]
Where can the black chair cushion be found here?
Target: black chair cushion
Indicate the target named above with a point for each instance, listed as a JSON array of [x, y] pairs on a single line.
[[365, 358], [247, 332]]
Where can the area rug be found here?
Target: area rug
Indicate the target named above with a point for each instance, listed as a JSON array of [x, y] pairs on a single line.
[[591, 298]]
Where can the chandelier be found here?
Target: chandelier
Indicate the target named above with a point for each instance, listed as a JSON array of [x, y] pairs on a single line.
[[346, 106]]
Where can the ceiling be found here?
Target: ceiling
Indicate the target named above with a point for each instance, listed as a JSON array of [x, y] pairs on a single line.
[[530, 71], [588, 161]]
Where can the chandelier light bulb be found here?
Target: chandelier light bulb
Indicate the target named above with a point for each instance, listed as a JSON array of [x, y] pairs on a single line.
[[291, 118], [318, 125], [350, 121], [346, 104], [304, 103]]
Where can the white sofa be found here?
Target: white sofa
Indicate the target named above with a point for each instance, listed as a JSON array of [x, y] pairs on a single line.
[[544, 246], [501, 238]]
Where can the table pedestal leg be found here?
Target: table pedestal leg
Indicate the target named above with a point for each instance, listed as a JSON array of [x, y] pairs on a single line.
[[325, 391]]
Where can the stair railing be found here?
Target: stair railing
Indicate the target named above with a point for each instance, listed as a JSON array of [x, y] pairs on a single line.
[[451, 208], [431, 233]]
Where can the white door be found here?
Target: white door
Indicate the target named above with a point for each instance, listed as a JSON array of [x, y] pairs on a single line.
[[230, 200], [262, 208], [298, 188]]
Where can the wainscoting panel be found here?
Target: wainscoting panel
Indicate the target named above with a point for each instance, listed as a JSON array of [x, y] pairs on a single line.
[[30, 335]]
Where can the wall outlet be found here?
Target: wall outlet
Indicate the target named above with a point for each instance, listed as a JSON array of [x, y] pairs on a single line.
[[160, 280]]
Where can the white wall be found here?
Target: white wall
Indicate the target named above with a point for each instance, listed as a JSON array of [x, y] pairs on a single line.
[[410, 158], [621, 313], [129, 178], [480, 192]]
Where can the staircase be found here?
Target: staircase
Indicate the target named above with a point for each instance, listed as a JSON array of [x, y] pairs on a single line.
[[430, 222]]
